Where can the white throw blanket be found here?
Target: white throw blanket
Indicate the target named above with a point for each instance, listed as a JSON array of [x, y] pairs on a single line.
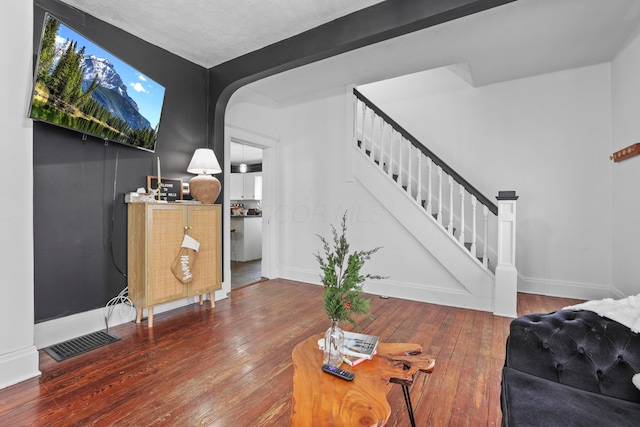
[[625, 311]]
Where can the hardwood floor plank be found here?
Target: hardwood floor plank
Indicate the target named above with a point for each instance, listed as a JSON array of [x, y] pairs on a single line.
[[497, 355], [462, 393], [231, 365], [448, 365]]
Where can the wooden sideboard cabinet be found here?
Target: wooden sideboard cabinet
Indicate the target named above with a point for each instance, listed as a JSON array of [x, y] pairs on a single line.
[[155, 233]]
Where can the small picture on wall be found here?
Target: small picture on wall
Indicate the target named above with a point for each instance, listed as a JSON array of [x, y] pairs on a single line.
[[170, 189]]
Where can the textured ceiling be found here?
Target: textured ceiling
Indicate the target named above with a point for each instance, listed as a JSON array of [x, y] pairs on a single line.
[[210, 32], [516, 40]]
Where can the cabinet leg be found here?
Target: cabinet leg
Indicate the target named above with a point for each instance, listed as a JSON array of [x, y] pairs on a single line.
[[150, 313], [213, 302], [139, 315], [201, 298]]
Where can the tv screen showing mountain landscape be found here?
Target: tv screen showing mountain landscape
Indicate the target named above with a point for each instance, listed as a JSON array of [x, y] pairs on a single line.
[[79, 85]]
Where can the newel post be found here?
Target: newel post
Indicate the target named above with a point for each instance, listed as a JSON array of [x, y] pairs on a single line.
[[505, 297]]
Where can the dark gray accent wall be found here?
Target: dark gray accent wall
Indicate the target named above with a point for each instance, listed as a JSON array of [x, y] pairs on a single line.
[[79, 227]]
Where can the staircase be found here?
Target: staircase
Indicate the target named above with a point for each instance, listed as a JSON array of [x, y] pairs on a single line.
[[450, 218]]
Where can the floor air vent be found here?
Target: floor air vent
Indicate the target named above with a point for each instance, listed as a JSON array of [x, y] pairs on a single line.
[[76, 346]]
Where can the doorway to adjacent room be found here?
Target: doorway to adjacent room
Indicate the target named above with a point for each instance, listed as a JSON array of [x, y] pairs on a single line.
[[246, 214]]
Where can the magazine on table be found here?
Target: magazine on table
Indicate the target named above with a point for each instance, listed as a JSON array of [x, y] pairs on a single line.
[[360, 346]]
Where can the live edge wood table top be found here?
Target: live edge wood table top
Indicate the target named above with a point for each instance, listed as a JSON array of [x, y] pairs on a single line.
[[320, 399]]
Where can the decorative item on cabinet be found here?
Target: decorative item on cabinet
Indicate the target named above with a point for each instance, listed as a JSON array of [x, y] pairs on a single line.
[[155, 236], [204, 187]]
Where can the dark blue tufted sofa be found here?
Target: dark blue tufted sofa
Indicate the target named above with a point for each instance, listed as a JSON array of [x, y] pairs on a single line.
[[570, 368]]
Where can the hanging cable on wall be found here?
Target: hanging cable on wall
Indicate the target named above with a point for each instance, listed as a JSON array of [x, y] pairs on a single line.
[[122, 299], [113, 216]]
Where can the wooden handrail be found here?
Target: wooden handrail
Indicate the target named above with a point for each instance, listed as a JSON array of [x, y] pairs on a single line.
[[439, 162]]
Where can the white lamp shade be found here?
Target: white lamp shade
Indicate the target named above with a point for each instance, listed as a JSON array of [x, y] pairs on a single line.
[[204, 161]]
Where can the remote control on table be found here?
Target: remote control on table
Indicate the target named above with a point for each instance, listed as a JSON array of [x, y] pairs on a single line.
[[340, 373]]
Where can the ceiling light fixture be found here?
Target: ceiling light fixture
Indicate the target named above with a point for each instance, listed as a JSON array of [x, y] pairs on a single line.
[[242, 167]]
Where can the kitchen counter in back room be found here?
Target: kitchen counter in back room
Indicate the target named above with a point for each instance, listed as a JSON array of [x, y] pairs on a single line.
[[246, 237]]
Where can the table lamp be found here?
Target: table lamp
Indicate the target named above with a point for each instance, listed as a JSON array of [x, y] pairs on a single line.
[[204, 187]]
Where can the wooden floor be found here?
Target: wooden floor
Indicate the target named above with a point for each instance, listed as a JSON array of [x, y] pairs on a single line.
[[231, 365]]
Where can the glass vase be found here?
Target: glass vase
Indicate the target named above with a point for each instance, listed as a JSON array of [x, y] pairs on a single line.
[[333, 342]]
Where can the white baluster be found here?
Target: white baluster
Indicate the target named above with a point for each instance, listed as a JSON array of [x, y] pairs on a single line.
[[381, 145], [429, 196], [439, 195], [485, 245], [450, 226], [461, 238], [400, 157], [372, 150], [392, 134], [419, 189], [409, 171], [356, 130], [363, 146], [374, 136], [364, 119], [371, 131], [356, 121], [474, 202]]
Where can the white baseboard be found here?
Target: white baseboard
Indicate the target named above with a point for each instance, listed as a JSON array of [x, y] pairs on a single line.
[[18, 366], [300, 275], [457, 298], [421, 292], [563, 289], [617, 294], [65, 328]]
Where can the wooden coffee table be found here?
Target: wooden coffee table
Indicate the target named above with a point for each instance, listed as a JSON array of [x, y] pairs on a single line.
[[320, 399]]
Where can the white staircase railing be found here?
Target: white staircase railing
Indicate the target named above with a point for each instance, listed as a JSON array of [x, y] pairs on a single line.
[[429, 182]]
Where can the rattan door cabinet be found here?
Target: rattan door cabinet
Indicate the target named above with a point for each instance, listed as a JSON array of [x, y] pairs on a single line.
[[155, 235]]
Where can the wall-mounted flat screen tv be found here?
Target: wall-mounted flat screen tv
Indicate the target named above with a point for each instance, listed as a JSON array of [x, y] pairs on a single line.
[[81, 86]]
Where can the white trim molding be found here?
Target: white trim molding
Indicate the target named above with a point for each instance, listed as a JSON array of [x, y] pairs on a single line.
[[65, 328], [18, 366], [563, 288], [421, 292]]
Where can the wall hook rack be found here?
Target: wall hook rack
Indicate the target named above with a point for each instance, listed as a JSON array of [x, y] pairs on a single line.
[[626, 153]]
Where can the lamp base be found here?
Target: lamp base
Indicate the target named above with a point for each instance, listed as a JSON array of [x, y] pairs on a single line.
[[204, 188]]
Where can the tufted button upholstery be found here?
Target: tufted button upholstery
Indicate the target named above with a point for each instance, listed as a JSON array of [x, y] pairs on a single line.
[[576, 348]]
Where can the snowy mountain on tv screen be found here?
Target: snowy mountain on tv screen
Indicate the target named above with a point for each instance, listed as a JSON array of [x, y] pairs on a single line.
[[111, 84]]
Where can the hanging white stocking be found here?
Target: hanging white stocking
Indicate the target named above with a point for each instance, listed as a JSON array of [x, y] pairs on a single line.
[[182, 267]]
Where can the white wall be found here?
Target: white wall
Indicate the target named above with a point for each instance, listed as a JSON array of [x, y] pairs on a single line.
[[249, 110], [548, 138], [18, 355], [625, 187], [314, 193]]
